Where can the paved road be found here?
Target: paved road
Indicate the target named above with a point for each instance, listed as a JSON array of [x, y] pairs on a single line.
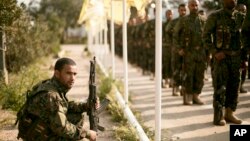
[[179, 122]]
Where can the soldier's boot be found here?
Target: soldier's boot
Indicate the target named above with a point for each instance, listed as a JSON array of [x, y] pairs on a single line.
[[175, 91], [182, 91], [218, 116], [187, 99], [230, 117], [242, 89], [197, 99], [163, 83], [171, 83]]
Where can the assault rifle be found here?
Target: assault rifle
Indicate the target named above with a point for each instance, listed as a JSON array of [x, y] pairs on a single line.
[[92, 99]]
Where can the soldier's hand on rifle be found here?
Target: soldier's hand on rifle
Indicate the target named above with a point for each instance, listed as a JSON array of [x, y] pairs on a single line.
[[91, 135], [97, 104], [219, 55]]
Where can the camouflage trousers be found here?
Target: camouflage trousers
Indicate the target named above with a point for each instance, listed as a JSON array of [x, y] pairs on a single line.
[[194, 68], [76, 119], [176, 65], [226, 73], [166, 62]]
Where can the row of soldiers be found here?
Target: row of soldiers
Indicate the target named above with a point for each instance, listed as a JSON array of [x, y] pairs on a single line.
[[191, 42]]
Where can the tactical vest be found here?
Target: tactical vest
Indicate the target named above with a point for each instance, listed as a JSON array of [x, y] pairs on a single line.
[[228, 31], [31, 127], [192, 31]]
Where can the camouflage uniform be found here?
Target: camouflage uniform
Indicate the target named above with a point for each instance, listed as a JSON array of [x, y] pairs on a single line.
[[246, 24], [222, 34], [166, 53], [176, 59], [187, 37], [118, 40], [54, 118], [149, 30], [142, 48]]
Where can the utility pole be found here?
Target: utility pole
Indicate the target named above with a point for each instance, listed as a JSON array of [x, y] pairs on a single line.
[[3, 70]]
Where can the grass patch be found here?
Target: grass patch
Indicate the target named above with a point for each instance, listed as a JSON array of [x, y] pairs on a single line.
[[124, 132]]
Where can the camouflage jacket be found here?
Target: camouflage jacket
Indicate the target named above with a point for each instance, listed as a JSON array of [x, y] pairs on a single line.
[[149, 30], [51, 106], [169, 31], [222, 31], [187, 32], [164, 33]]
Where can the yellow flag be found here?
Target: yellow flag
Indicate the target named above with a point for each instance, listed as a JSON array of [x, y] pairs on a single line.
[[82, 16]]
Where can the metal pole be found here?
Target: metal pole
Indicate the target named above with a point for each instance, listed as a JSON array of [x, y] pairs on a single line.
[[112, 41], [3, 70], [158, 69], [125, 54]]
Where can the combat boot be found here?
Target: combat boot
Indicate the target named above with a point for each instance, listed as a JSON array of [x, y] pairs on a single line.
[[221, 122], [187, 99], [230, 117], [175, 91], [242, 90], [218, 114], [197, 100], [163, 84]]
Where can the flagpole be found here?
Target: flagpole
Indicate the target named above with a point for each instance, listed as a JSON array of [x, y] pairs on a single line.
[[158, 69], [112, 41], [125, 54]]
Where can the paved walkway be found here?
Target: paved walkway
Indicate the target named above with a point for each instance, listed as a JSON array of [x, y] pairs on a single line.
[[179, 122]]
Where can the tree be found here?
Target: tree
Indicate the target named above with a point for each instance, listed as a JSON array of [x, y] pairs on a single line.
[[9, 12], [61, 14]]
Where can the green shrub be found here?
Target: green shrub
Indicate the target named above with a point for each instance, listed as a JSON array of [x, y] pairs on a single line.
[[12, 95], [126, 133], [104, 86]]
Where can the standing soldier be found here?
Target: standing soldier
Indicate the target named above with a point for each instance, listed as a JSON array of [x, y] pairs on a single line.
[[246, 29], [187, 38], [243, 70], [149, 30], [176, 59], [166, 52], [222, 37]]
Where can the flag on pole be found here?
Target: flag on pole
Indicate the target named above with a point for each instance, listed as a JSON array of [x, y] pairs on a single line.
[[95, 11], [93, 15]]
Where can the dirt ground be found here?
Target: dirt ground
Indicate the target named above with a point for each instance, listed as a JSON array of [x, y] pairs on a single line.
[[8, 131]]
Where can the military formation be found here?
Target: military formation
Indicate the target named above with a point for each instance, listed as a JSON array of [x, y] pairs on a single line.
[[191, 43]]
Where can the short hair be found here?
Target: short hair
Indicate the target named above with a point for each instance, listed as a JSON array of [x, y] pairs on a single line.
[[190, 1], [63, 61], [182, 5]]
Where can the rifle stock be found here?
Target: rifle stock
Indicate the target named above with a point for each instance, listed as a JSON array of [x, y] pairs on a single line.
[[92, 99]]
